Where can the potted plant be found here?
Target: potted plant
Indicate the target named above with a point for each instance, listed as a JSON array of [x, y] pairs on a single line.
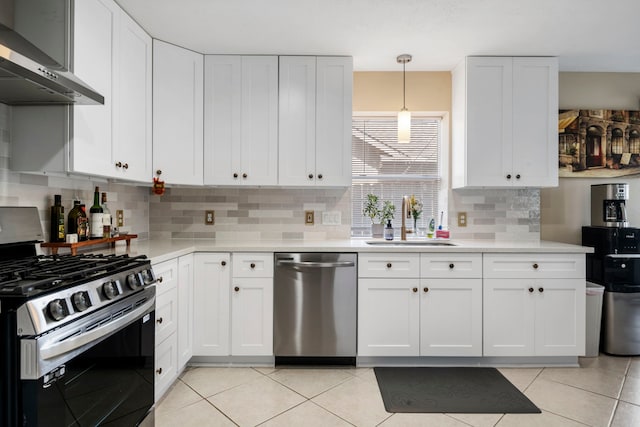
[[415, 209], [372, 210], [388, 210]]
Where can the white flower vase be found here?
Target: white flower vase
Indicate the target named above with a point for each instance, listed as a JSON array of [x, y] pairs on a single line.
[[377, 230]]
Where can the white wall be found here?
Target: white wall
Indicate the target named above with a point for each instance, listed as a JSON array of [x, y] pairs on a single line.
[[565, 209]]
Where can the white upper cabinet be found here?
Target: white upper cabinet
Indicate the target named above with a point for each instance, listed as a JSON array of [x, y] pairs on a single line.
[[112, 54], [95, 46], [132, 142], [505, 114], [241, 120], [315, 121], [177, 114]]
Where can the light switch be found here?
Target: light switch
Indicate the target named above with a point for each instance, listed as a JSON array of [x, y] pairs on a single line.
[[332, 218], [119, 218]]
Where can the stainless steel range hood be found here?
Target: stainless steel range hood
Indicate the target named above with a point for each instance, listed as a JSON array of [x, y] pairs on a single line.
[[35, 55]]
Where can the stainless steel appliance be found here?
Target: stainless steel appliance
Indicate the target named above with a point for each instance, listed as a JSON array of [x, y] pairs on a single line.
[[315, 308], [36, 40], [615, 264], [76, 332], [608, 205]]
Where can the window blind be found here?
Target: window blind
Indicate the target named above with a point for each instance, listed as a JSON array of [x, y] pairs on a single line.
[[390, 170]]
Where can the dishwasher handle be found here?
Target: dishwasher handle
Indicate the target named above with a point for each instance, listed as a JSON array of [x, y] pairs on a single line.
[[316, 264]]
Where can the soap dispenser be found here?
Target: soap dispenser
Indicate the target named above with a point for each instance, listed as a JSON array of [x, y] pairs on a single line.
[[388, 231]]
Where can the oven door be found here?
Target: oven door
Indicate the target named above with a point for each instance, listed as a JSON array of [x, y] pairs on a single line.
[[103, 373]]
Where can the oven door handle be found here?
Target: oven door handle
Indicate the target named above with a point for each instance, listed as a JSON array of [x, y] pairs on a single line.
[[61, 347]]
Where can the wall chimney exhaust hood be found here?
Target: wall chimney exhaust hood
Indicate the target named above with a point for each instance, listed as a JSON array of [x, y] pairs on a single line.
[[35, 55]]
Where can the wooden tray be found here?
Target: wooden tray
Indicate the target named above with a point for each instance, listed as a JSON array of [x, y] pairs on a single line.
[[74, 246]]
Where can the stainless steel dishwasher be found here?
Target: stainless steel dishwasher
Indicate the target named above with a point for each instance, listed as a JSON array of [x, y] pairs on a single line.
[[315, 308]]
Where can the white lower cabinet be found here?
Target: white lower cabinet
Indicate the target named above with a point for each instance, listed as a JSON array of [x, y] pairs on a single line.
[[451, 317], [185, 308], [388, 317], [212, 279], [437, 312], [233, 304], [174, 297], [252, 317], [539, 310]]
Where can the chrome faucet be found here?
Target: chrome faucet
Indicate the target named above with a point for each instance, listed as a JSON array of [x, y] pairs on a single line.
[[405, 214]]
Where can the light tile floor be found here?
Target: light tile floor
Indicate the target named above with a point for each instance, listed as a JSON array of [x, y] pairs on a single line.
[[604, 391]]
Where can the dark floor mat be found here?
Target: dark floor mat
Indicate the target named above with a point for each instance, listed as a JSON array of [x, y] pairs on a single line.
[[451, 390]]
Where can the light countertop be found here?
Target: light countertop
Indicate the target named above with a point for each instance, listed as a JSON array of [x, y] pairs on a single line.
[[162, 250]]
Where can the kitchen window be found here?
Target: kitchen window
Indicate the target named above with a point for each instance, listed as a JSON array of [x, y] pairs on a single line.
[[382, 166]]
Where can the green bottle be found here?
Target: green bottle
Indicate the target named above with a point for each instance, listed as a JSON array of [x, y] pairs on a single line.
[[57, 220], [95, 217]]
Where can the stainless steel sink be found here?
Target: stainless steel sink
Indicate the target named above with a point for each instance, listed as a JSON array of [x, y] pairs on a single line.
[[410, 243]]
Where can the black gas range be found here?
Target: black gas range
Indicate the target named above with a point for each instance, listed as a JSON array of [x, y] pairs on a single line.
[[76, 333]]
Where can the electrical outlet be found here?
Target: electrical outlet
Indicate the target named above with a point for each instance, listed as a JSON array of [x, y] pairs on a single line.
[[209, 217], [462, 219], [308, 217], [119, 218]]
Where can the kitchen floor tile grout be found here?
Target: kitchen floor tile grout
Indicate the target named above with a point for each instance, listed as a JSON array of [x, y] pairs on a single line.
[[353, 376]]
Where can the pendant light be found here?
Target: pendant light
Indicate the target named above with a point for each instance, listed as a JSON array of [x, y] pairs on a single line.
[[404, 116]]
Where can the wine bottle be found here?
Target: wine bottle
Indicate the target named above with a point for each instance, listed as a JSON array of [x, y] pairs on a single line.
[[72, 218], [96, 216], [83, 224], [106, 217], [57, 220]]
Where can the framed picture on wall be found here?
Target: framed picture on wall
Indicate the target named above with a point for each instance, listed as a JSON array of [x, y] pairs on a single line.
[[598, 143]]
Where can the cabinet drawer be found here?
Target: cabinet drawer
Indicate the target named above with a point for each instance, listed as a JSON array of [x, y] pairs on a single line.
[[252, 264], [167, 276], [534, 265], [451, 265], [389, 265], [166, 314]]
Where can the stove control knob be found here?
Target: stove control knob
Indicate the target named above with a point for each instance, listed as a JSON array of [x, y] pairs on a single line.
[[110, 290], [57, 309], [80, 301], [133, 280], [148, 277]]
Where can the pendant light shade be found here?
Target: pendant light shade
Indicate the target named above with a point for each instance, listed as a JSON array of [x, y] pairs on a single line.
[[404, 116], [404, 126]]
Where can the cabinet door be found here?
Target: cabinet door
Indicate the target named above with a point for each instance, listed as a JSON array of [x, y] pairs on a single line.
[[388, 317], [297, 118], [165, 366], [334, 86], [560, 314], [177, 114], [252, 317], [535, 118], [132, 105], [185, 309], [211, 304], [259, 155], [222, 119], [451, 317], [94, 44], [489, 151], [508, 317]]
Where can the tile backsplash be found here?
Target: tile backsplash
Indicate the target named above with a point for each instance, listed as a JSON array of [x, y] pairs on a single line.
[[496, 214], [249, 213]]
